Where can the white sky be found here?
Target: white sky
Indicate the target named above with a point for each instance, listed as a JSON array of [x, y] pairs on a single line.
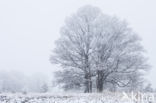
[[28, 29]]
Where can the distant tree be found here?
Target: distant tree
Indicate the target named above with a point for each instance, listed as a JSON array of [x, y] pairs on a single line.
[[44, 88], [37, 83], [96, 45], [10, 82], [148, 88]]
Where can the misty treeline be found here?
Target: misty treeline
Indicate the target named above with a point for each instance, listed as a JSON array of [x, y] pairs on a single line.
[[14, 81], [98, 52]]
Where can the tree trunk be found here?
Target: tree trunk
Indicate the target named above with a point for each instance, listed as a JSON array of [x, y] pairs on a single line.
[[88, 79], [88, 84], [99, 81]]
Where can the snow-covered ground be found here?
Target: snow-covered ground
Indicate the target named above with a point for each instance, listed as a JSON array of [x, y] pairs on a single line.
[[66, 98]]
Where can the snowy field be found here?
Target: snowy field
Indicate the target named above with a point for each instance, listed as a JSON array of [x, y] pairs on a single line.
[[66, 98]]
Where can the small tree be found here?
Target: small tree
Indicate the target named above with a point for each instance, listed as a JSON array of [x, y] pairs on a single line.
[[44, 88], [148, 88]]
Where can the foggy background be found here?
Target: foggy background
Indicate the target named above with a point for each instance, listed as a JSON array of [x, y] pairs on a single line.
[[28, 29]]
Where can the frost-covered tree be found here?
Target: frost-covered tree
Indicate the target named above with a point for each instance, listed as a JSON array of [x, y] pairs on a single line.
[[118, 53], [75, 47], [96, 45]]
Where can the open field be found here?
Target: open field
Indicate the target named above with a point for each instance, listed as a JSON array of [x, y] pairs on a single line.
[[68, 98]]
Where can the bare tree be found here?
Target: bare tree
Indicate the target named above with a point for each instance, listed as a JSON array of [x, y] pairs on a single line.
[[93, 44], [74, 48], [118, 54]]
